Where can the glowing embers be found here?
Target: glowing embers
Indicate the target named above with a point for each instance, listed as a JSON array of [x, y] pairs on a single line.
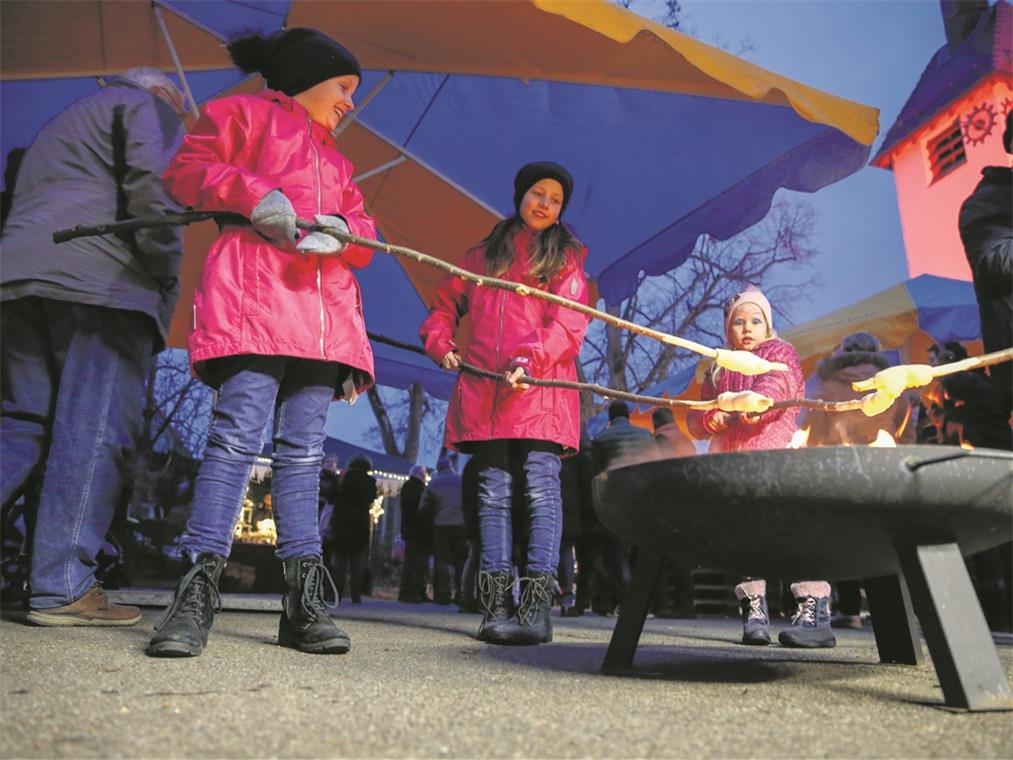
[[800, 439]]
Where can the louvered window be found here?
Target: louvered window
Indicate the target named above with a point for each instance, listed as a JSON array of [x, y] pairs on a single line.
[[946, 151]]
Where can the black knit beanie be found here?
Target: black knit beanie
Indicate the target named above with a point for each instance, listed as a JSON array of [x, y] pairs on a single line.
[[293, 60], [531, 173]]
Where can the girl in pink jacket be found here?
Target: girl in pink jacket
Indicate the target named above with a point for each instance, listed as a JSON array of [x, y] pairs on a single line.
[[749, 326], [278, 328], [513, 429]]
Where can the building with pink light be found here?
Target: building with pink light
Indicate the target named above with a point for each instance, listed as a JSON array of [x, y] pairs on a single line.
[[949, 129]]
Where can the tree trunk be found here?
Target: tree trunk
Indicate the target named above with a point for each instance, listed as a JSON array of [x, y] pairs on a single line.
[[615, 353], [416, 410], [383, 422]]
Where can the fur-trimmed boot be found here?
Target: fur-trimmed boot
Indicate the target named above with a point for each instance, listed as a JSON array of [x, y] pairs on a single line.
[[305, 622], [533, 614], [498, 624], [810, 626], [183, 630], [752, 596]]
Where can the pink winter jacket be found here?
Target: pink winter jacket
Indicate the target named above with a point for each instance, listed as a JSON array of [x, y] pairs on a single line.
[[774, 429], [255, 298], [510, 330]]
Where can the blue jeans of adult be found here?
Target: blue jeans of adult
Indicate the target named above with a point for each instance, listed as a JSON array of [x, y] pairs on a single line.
[[73, 383], [498, 462], [294, 395]]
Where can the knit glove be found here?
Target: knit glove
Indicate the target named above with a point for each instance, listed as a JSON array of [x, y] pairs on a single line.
[[321, 242], [274, 218]]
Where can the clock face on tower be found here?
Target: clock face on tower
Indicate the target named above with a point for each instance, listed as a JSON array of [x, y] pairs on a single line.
[[979, 123]]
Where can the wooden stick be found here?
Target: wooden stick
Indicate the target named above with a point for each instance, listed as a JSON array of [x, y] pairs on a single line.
[[600, 390], [740, 361], [973, 362]]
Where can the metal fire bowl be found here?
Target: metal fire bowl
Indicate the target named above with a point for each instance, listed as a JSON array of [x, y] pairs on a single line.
[[831, 513]]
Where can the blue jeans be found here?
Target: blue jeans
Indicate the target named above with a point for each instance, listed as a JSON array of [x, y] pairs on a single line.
[[295, 393], [73, 384], [497, 463]]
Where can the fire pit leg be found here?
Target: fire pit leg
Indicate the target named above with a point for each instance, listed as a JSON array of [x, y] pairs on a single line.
[[959, 641], [632, 613], [893, 620]]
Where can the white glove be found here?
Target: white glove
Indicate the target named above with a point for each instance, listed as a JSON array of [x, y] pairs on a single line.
[[321, 242], [274, 218]]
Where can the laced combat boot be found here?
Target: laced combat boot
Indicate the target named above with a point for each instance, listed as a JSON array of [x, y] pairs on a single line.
[[305, 622], [183, 630], [810, 626], [534, 612], [498, 625], [752, 596]]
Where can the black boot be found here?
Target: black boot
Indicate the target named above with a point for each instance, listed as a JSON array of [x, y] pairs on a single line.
[[305, 623], [183, 630], [498, 625], [535, 608]]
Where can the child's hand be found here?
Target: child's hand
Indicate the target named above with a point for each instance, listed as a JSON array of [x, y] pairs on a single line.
[[513, 376], [321, 242], [720, 421], [274, 218], [452, 360]]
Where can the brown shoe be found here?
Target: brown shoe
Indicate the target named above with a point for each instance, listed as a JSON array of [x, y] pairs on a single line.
[[94, 608]]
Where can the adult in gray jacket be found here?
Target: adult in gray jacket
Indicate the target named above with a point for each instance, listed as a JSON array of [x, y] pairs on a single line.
[[80, 323], [442, 504]]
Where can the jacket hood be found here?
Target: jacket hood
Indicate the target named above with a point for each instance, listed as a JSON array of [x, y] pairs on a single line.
[[831, 365]]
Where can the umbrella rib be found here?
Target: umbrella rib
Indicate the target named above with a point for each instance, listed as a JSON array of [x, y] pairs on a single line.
[[435, 172], [157, 10]]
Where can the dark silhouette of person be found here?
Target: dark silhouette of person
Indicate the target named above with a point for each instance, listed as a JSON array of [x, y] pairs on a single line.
[[620, 440], [352, 523], [416, 534]]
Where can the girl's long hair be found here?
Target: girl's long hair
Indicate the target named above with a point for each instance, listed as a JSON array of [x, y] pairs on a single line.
[[548, 249]]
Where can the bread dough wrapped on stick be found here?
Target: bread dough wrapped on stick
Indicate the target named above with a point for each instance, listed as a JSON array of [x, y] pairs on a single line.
[[746, 362], [749, 402]]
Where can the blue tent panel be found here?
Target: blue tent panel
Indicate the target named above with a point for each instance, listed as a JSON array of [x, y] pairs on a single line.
[[947, 309]]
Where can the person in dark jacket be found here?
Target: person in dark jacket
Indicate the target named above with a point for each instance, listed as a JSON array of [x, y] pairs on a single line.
[[673, 591], [986, 231], [574, 548], [330, 491], [416, 535], [80, 324], [619, 441], [469, 505], [352, 523], [442, 505]]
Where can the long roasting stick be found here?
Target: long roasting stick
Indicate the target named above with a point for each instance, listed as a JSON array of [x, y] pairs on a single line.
[[604, 392], [744, 362]]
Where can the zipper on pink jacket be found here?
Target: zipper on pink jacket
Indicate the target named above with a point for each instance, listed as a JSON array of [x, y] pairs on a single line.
[[320, 261]]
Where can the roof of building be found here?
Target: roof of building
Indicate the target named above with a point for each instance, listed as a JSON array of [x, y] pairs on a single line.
[[954, 70]]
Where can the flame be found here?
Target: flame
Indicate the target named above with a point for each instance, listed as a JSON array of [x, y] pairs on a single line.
[[883, 440], [799, 439], [966, 445]]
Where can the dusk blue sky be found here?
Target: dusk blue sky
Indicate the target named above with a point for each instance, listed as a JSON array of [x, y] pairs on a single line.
[[869, 51]]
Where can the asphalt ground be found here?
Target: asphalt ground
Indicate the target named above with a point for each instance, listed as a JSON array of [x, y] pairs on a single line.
[[417, 684]]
